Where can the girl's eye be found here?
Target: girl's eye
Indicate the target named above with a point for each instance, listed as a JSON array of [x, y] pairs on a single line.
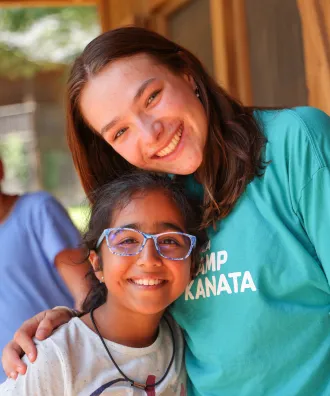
[[152, 97], [128, 241], [169, 241], [120, 133]]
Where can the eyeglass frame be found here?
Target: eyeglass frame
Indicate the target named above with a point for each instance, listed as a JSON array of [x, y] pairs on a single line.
[[146, 236]]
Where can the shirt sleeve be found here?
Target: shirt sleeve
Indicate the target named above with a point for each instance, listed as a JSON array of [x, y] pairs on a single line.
[[314, 209], [313, 204], [56, 231], [46, 376]]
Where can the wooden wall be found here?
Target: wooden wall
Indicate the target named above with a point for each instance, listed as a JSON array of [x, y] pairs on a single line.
[[315, 18], [273, 52], [276, 53]]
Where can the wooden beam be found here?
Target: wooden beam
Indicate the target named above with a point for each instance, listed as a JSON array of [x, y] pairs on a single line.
[[103, 7], [242, 58], [169, 6], [315, 19], [230, 48], [45, 3], [116, 13]]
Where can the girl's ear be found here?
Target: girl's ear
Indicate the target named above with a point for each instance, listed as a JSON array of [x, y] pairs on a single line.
[[94, 259]]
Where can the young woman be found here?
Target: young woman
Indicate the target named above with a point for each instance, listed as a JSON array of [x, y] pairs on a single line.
[[256, 319], [142, 258]]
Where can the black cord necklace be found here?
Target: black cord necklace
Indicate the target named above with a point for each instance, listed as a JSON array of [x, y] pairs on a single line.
[[125, 378]]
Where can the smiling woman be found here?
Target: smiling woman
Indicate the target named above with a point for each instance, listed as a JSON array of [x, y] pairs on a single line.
[[158, 109]]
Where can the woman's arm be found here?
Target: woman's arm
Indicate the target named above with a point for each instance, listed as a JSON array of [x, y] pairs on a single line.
[[72, 267], [46, 376], [41, 326]]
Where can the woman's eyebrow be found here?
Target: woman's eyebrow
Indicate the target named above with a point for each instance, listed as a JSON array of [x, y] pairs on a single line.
[[142, 88], [137, 96], [109, 125]]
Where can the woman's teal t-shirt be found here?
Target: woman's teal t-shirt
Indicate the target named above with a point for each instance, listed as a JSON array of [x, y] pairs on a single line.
[[256, 319]]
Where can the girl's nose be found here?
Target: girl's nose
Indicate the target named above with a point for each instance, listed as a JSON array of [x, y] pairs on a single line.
[[149, 256]]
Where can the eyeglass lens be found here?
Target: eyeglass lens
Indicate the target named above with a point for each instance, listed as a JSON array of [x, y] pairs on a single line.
[[129, 242]]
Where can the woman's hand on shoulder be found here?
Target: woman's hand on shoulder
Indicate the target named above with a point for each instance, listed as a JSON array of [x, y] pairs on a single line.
[[40, 326]]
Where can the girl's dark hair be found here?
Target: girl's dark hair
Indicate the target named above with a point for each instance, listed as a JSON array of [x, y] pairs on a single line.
[[115, 196], [232, 156]]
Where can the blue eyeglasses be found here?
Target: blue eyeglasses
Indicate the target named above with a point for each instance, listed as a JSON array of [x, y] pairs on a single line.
[[129, 242]]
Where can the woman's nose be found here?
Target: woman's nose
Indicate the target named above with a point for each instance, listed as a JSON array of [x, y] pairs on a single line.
[[149, 256], [152, 132]]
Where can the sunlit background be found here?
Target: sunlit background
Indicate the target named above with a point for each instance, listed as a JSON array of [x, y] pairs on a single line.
[[37, 45]]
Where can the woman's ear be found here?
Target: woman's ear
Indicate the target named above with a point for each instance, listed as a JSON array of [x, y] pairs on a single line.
[[95, 261], [190, 80]]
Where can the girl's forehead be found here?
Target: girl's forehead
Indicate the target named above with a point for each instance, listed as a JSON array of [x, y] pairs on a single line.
[[148, 208]]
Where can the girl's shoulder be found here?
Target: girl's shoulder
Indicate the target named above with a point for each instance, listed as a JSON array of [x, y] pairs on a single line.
[[170, 326], [46, 376]]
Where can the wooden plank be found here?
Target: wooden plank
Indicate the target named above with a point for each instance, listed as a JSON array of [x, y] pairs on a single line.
[[171, 6], [230, 48], [45, 3], [219, 14], [103, 8], [154, 5], [242, 59], [116, 13], [315, 18]]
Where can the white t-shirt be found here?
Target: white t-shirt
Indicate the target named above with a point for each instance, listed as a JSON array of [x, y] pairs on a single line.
[[73, 362]]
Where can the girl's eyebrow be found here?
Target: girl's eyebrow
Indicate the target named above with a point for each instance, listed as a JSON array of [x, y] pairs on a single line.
[[137, 96], [163, 226]]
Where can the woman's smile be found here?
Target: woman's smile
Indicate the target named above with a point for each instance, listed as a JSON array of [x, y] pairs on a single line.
[[170, 148]]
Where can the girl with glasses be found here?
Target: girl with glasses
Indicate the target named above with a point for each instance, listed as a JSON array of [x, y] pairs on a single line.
[[144, 251]]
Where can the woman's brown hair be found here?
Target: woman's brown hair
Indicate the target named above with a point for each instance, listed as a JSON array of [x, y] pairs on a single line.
[[232, 156]]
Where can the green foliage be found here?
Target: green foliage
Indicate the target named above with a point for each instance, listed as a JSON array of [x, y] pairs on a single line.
[[14, 156], [14, 63], [21, 19], [60, 30], [79, 216]]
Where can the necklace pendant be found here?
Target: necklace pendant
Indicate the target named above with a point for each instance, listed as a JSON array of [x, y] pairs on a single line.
[[138, 385]]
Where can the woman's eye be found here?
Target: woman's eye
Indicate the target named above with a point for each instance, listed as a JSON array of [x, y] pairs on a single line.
[[120, 133], [152, 97]]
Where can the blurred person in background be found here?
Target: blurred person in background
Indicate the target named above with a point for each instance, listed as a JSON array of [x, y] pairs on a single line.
[[40, 263]]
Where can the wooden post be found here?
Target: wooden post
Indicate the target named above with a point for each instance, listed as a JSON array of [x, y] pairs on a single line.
[[45, 3], [103, 7], [315, 20], [230, 48], [116, 13]]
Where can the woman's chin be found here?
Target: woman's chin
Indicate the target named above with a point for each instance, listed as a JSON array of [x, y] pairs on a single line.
[[186, 165]]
